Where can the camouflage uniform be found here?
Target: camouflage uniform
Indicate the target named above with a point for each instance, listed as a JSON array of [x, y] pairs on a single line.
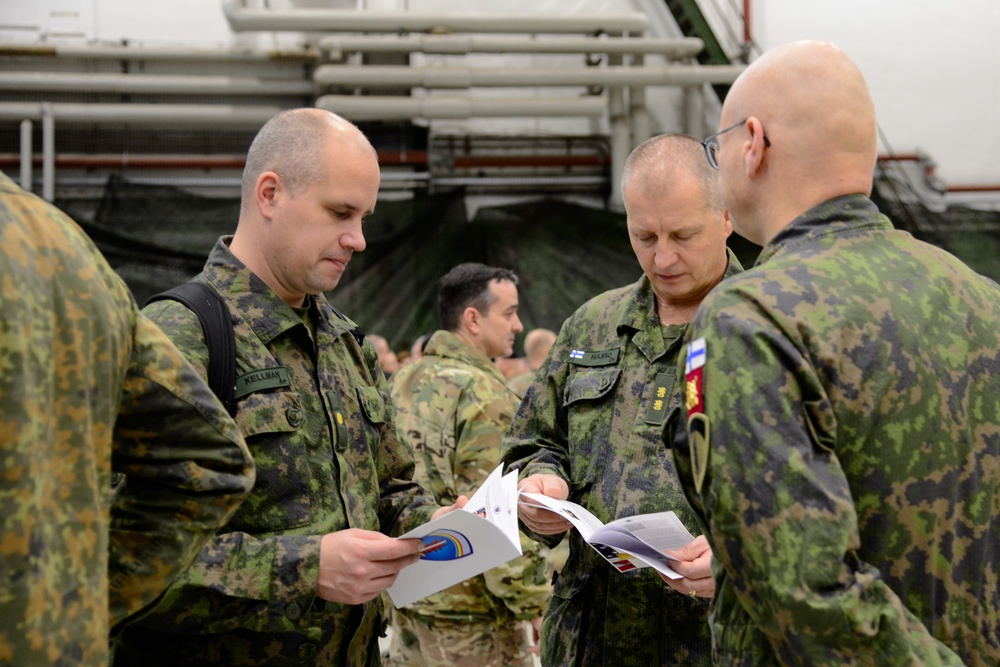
[[454, 406], [595, 420], [89, 386], [848, 410], [317, 417]]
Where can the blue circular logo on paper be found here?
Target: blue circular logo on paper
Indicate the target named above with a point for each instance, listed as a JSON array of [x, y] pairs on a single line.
[[445, 545]]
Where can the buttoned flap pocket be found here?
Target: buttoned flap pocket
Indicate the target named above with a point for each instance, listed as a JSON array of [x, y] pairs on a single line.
[[271, 423], [592, 384], [372, 404], [270, 412]]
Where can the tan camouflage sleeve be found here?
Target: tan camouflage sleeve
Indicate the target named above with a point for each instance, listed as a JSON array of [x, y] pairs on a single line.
[[522, 583]]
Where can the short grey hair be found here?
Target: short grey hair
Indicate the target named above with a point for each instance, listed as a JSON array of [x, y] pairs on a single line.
[[658, 159]]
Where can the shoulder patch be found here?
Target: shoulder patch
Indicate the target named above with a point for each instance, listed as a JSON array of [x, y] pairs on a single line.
[[594, 357], [694, 379]]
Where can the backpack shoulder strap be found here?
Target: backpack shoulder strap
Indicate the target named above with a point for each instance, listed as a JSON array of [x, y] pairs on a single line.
[[357, 331], [217, 325]]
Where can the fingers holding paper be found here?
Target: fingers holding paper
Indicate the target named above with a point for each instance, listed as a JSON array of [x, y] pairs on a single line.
[[543, 521], [694, 564], [441, 511], [356, 565]]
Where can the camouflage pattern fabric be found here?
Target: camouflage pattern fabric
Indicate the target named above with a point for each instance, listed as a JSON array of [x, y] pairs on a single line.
[[89, 386], [420, 642], [519, 383], [594, 417], [845, 449], [316, 413], [453, 406]]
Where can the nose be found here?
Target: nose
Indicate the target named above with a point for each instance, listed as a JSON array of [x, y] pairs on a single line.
[[666, 255], [354, 238], [518, 327]]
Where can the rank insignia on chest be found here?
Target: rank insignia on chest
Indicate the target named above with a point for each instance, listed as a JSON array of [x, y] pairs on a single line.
[[694, 384]]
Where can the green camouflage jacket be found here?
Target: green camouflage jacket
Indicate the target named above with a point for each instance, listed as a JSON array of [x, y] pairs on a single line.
[[89, 386], [594, 417], [453, 406], [316, 413], [844, 415]]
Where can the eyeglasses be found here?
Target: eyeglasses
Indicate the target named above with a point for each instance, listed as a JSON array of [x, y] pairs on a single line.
[[711, 146]]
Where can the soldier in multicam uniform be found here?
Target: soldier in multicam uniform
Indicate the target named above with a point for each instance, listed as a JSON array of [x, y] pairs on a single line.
[[453, 405], [590, 426], [295, 576], [843, 402], [89, 386]]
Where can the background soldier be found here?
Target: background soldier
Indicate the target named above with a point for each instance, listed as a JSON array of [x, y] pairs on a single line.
[[590, 426], [89, 386], [537, 344], [454, 406], [844, 399]]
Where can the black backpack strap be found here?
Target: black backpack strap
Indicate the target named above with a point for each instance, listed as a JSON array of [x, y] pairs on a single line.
[[357, 331], [217, 325]]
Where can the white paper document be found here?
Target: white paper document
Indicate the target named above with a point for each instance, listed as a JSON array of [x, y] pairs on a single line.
[[463, 543], [628, 543]]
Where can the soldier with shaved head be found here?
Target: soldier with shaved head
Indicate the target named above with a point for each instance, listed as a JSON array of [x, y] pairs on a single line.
[[295, 576], [841, 432]]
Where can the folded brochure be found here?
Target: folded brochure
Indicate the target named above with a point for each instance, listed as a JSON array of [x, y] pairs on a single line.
[[628, 543], [463, 543]]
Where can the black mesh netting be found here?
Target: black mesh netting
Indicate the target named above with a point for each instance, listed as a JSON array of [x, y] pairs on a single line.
[[564, 253]]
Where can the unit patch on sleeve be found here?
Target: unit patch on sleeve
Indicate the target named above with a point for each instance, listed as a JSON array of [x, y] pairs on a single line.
[[694, 384]]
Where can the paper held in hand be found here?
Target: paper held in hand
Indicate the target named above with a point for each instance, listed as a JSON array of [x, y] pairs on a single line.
[[463, 543], [628, 543]]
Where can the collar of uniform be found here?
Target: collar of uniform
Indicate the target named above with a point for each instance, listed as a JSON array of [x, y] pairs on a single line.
[[640, 319], [448, 345], [260, 307], [841, 216]]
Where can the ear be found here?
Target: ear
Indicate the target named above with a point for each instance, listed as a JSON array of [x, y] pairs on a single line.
[[470, 318], [727, 222], [266, 193], [753, 154]]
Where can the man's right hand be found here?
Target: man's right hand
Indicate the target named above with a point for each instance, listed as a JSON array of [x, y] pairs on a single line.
[[539, 520], [356, 565]]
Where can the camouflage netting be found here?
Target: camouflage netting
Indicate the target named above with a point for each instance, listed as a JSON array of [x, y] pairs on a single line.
[[564, 253]]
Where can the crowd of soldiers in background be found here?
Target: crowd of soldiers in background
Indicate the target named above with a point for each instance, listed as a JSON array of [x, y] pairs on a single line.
[[519, 368]]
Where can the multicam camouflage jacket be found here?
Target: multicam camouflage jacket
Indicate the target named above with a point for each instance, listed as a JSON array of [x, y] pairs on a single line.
[[843, 407], [316, 413], [453, 406], [594, 417], [89, 386]]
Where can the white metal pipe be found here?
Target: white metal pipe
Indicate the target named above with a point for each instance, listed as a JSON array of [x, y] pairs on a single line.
[[683, 47], [110, 52], [349, 20], [373, 107], [48, 153], [621, 138], [168, 115], [433, 76], [27, 154], [157, 84]]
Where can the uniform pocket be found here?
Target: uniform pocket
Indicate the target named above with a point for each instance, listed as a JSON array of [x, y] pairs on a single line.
[[271, 423], [588, 399]]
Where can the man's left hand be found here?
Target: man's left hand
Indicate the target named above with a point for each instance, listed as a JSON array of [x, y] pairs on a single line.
[[694, 564]]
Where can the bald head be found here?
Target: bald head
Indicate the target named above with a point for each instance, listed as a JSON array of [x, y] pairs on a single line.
[[292, 144], [536, 345], [813, 105]]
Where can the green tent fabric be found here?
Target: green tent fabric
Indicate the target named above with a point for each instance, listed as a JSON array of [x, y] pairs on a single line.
[[564, 253]]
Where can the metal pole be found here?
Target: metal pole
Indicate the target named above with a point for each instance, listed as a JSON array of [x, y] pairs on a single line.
[[26, 154], [48, 153]]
